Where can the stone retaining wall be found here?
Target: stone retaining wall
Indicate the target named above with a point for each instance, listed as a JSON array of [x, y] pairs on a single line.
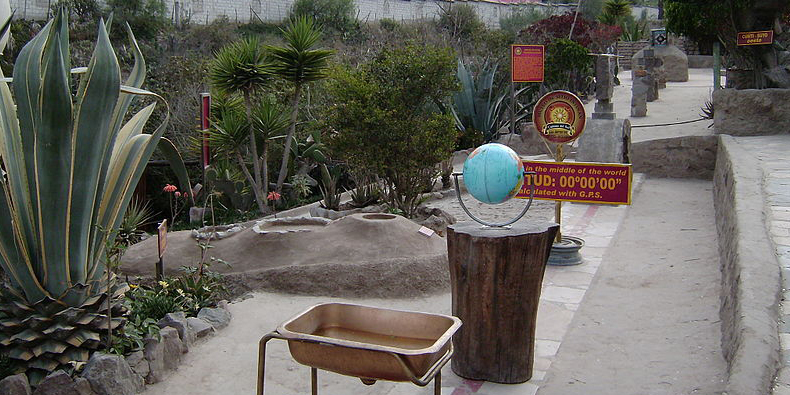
[[677, 157], [751, 112], [750, 273]]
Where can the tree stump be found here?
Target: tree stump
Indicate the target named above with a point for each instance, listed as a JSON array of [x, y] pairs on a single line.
[[496, 277]]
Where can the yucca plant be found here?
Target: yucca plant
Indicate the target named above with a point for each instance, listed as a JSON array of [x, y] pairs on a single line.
[[298, 63], [71, 167]]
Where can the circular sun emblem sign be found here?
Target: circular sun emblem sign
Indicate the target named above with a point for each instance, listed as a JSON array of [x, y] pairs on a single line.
[[559, 117]]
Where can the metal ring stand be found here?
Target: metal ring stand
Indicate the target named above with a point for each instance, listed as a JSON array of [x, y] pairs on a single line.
[[503, 225], [434, 373]]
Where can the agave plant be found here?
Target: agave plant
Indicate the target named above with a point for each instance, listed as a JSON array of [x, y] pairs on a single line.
[[478, 106], [71, 166]]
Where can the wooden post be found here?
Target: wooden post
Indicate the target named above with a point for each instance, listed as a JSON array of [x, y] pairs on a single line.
[[496, 277]]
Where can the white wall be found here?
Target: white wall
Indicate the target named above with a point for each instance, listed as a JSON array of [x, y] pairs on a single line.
[[201, 11]]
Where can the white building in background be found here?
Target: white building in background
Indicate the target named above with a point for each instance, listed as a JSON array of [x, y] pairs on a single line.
[[204, 11]]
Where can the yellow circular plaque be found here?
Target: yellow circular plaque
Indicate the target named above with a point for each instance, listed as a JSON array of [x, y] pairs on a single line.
[[559, 117]]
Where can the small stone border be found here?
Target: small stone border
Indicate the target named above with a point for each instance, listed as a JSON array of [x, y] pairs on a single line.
[[109, 374], [751, 285]]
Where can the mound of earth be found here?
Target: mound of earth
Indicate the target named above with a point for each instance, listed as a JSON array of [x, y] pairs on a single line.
[[366, 255]]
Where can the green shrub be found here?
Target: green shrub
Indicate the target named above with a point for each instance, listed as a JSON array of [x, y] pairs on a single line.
[[146, 17], [338, 15], [387, 121], [460, 21], [568, 66]]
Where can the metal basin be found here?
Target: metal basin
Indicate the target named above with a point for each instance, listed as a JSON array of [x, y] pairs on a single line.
[[370, 343]]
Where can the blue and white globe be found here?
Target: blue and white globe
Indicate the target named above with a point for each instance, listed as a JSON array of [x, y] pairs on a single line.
[[493, 173]]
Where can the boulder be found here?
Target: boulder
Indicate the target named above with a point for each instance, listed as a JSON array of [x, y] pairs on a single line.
[[15, 385], [218, 318], [154, 354], [604, 140], [60, 383], [676, 63], [111, 375], [199, 327], [138, 363], [172, 348], [178, 321]]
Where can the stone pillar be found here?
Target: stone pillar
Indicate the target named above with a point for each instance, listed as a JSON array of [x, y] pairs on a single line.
[[652, 75], [604, 88], [639, 90]]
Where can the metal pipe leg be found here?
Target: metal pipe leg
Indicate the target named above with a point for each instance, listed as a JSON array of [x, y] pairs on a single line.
[[314, 381], [262, 361], [437, 383]]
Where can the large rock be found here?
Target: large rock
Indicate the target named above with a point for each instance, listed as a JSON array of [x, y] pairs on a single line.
[[111, 375], [139, 364], [676, 63], [199, 327], [15, 385], [604, 140], [60, 383], [218, 318], [751, 112], [172, 348], [678, 157], [179, 321], [154, 353]]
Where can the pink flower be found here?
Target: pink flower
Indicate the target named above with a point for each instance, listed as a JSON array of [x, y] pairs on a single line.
[[170, 188], [273, 196], [178, 194]]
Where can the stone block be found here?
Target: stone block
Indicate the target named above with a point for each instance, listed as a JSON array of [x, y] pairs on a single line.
[[199, 327], [178, 321], [154, 354], [751, 112], [218, 318], [607, 141], [172, 348], [111, 375], [15, 385]]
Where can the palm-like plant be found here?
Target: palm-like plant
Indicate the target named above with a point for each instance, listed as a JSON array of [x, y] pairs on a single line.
[[243, 67], [298, 64], [71, 167]]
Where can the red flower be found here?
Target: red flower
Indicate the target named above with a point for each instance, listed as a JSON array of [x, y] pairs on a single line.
[[273, 196], [170, 188], [178, 194]]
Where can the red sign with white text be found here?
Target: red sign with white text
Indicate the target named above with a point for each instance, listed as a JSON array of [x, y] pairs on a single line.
[[527, 63], [604, 183], [763, 37]]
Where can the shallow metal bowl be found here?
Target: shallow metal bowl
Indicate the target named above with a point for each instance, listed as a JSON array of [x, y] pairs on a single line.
[[370, 343]]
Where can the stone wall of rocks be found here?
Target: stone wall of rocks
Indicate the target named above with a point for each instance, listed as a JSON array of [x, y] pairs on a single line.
[[627, 49], [751, 112], [110, 374], [678, 157], [750, 273]]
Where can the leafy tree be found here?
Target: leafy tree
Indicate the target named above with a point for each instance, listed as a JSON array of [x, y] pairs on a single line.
[[298, 63], [338, 15], [723, 19], [589, 34], [460, 21], [386, 121], [243, 67], [146, 17]]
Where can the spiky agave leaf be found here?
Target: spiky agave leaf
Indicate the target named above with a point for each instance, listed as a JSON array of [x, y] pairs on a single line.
[[71, 169]]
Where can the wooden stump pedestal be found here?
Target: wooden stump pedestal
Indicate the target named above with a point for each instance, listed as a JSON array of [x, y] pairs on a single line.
[[496, 277]]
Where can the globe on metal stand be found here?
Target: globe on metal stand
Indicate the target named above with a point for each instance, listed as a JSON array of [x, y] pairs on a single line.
[[493, 174], [496, 273]]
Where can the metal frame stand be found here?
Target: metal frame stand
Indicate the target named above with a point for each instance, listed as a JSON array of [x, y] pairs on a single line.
[[434, 373]]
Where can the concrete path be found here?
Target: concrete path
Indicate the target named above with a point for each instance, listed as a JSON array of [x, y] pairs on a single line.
[[650, 321]]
